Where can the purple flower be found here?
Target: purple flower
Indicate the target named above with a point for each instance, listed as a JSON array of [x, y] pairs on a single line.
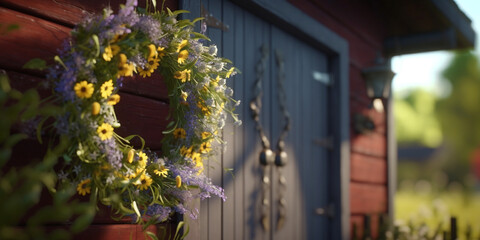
[[150, 27], [160, 212], [114, 156]]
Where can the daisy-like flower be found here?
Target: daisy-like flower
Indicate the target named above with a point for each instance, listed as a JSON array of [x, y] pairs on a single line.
[[95, 108], [200, 166], [83, 187], [124, 68], [183, 75], [187, 152], [144, 72], [83, 89], [163, 171], [144, 182], [182, 44], [105, 131], [106, 89], [205, 147], [182, 56], [114, 99], [142, 160], [130, 155], [179, 133], [152, 64], [178, 180], [107, 54], [196, 157]]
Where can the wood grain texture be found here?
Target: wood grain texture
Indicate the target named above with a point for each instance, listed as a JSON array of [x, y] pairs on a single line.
[[121, 232], [368, 198], [358, 221], [70, 12], [35, 38]]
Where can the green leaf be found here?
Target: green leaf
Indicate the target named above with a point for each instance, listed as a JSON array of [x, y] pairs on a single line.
[[59, 61], [151, 235], [135, 208], [4, 82], [39, 130], [200, 36], [35, 64], [97, 44], [154, 2]]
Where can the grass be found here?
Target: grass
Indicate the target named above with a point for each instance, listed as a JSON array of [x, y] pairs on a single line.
[[435, 209]]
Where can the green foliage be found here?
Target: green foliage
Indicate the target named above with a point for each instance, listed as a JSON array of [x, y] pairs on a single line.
[[459, 113], [415, 119], [21, 187]]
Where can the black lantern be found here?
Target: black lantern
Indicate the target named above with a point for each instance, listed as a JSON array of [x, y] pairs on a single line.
[[378, 79]]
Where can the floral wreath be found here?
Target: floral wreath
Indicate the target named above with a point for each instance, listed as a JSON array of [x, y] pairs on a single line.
[[102, 51]]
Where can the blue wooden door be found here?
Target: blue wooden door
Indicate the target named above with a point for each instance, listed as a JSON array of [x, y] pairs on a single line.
[[307, 172]]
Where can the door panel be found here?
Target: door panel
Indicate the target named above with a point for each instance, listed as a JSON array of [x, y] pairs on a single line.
[[307, 102]]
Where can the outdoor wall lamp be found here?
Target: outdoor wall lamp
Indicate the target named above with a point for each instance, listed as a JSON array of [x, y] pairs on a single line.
[[378, 79]]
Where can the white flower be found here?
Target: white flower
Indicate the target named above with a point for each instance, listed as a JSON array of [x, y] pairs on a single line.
[[237, 123], [222, 81], [218, 66], [212, 50], [210, 102], [229, 92], [237, 103]]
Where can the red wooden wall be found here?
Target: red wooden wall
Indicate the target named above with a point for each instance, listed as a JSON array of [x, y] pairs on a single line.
[[359, 24], [43, 25]]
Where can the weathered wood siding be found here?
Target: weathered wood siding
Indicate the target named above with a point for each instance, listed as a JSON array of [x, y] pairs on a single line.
[[359, 23], [43, 26]]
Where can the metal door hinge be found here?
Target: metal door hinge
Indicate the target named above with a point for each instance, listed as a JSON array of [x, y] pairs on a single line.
[[212, 21]]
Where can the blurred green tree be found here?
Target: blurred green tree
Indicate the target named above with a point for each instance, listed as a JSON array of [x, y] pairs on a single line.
[[459, 114], [416, 122]]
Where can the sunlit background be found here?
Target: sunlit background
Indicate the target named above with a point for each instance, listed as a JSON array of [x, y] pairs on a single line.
[[437, 114]]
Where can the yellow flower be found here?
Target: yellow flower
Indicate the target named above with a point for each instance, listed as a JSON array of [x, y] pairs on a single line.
[[95, 108], [152, 64], [214, 82], [187, 152], [83, 187], [206, 135], [142, 160], [145, 182], [179, 133], [107, 54], [178, 179], [106, 89], [200, 166], [152, 51], [115, 49], [182, 44], [161, 52], [183, 75], [182, 56], [163, 171], [205, 147], [230, 71], [124, 68], [83, 89], [184, 95], [144, 72], [130, 155], [114, 99], [196, 157], [105, 131]]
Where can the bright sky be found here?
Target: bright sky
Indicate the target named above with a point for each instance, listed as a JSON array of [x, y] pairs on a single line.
[[424, 69]]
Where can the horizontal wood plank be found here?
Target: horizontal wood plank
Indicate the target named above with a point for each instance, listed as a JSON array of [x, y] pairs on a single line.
[[35, 38], [373, 144], [70, 12], [143, 116], [369, 169], [368, 198]]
